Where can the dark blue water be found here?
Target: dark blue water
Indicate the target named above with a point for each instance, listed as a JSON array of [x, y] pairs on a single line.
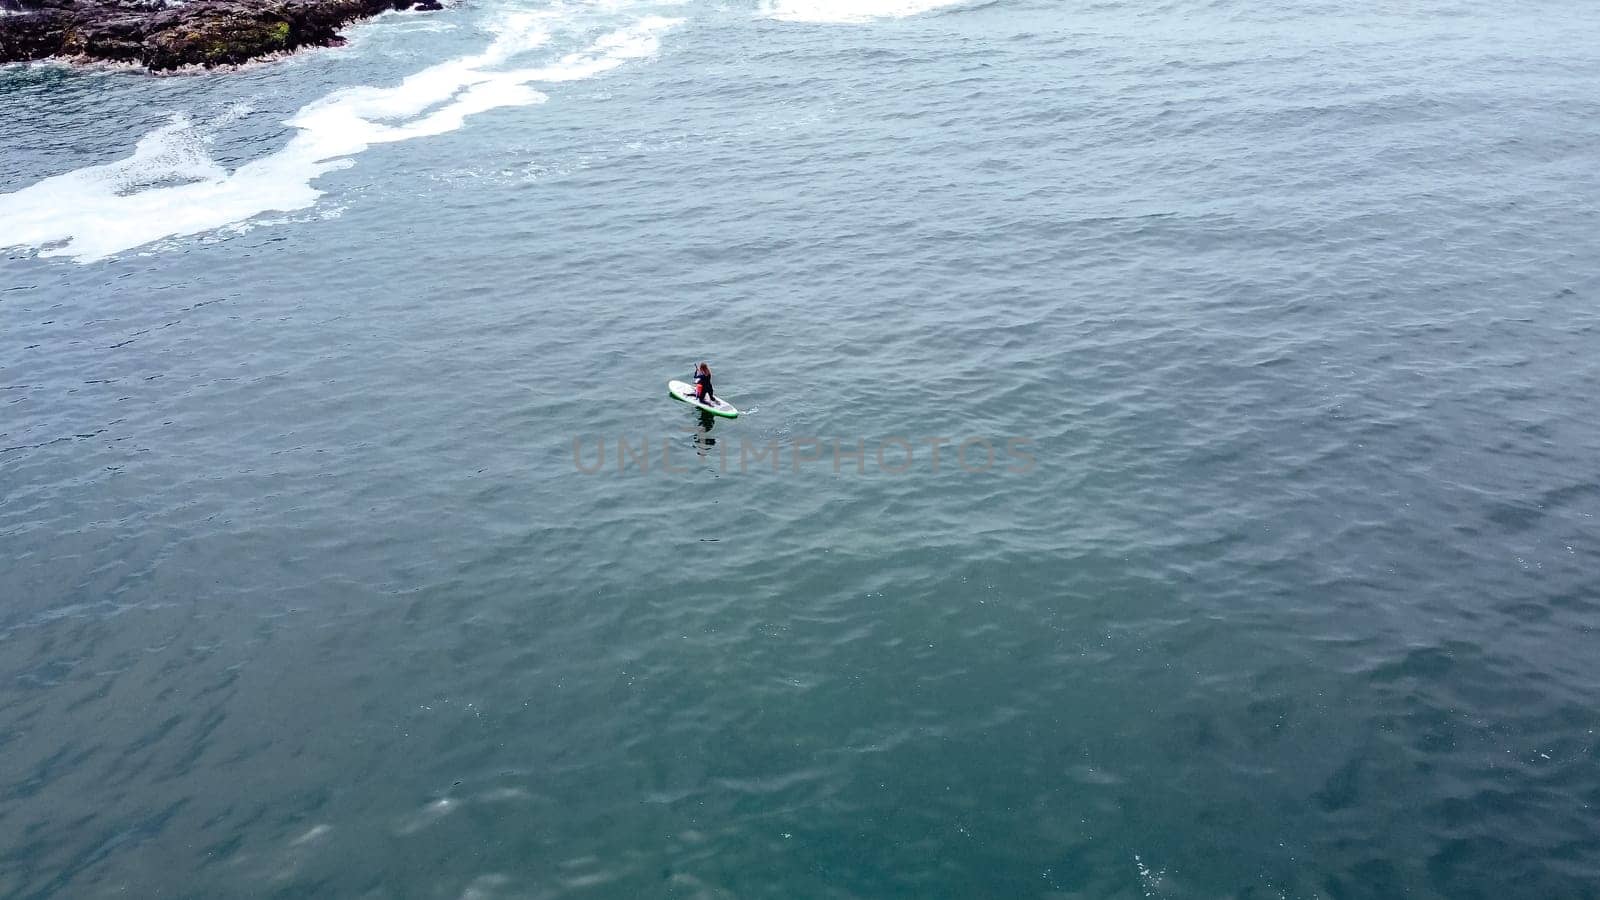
[[1279, 320]]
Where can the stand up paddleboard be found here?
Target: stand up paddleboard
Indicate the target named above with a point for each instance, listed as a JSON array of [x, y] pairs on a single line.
[[685, 392]]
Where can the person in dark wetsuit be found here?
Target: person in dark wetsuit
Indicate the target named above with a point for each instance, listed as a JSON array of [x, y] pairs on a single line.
[[702, 385]]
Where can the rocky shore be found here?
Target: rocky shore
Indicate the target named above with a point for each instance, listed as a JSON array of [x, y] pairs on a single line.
[[167, 34]]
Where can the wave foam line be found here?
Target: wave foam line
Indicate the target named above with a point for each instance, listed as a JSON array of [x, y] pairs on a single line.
[[170, 187], [849, 11]]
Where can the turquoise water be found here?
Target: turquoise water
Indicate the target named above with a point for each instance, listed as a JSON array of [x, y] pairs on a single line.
[[1288, 589]]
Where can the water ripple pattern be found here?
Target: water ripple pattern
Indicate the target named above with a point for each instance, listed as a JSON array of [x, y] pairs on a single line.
[[352, 547]]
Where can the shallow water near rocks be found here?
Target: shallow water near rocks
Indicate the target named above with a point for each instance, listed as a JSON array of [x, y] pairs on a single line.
[[1280, 324]]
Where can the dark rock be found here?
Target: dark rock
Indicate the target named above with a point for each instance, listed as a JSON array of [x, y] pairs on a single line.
[[163, 34]]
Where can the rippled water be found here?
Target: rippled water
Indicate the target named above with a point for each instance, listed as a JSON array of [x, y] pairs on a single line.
[[1280, 319]]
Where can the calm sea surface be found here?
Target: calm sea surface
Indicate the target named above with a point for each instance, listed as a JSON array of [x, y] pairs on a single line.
[[351, 547]]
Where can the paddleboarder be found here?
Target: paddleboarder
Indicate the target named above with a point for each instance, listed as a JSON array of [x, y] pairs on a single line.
[[702, 384]]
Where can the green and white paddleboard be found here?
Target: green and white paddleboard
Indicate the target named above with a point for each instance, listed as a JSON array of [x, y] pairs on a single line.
[[685, 392]]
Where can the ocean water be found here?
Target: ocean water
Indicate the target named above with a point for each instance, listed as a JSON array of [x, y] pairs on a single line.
[[352, 547]]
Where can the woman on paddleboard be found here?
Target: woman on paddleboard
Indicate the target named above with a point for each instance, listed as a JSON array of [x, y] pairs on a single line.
[[702, 384]]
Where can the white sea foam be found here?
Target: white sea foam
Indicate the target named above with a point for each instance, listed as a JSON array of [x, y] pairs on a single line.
[[849, 11], [170, 186]]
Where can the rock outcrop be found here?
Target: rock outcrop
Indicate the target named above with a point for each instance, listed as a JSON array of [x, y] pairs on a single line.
[[167, 34]]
